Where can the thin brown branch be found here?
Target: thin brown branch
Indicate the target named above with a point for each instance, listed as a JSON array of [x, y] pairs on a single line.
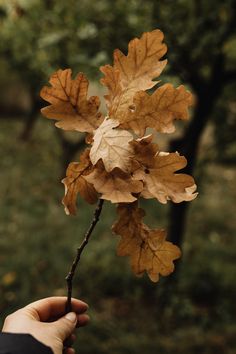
[[70, 275]]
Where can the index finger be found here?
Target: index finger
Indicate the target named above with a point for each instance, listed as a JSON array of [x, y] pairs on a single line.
[[51, 307]]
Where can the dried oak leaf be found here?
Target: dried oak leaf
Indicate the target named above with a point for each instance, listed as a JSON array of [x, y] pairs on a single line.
[[161, 181], [75, 183], [69, 103], [112, 81], [148, 249], [116, 186], [112, 146], [157, 111], [133, 72], [144, 152]]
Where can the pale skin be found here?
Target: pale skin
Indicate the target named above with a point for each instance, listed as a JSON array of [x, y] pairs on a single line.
[[46, 321]]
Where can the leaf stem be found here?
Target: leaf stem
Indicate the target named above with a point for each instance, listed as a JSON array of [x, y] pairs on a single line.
[[70, 275]]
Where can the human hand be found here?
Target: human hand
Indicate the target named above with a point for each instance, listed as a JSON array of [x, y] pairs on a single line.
[[43, 320]]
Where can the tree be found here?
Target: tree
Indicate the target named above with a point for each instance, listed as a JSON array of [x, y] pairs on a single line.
[[198, 33]]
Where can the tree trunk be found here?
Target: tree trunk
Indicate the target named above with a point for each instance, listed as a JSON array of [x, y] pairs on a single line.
[[188, 146], [29, 126], [31, 120]]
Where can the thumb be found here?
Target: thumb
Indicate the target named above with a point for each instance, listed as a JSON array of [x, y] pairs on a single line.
[[65, 325]]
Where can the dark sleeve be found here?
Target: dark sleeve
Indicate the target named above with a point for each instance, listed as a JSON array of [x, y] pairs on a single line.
[[11, 343]]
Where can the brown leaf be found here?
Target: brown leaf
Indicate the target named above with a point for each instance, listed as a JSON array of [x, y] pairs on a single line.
[[112, 146], [69, 103], [116, 186], [119, 167], [157, 111], [161, 181], [75, 183], [144, 151], [133, 72], [112, 81], [147, 248]]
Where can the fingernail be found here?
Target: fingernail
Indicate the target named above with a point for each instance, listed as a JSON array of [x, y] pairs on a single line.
[[71, 316]]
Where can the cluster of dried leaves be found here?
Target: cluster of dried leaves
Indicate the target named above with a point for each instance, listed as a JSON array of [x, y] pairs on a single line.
[[123, 164]]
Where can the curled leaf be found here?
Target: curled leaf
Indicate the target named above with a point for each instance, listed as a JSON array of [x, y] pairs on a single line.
[[161, 181], [75, 183]]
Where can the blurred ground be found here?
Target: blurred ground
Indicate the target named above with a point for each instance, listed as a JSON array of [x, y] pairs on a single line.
[[192, 314]]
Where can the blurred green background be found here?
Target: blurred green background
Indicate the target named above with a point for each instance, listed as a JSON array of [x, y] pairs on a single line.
[[191, 311]]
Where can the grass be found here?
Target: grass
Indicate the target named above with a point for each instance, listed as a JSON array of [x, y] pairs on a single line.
[[128, 314]]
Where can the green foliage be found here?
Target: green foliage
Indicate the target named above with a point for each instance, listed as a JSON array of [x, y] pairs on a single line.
[[71, 33]]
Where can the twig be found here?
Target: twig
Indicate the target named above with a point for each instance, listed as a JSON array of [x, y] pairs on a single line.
[[70, 275]]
